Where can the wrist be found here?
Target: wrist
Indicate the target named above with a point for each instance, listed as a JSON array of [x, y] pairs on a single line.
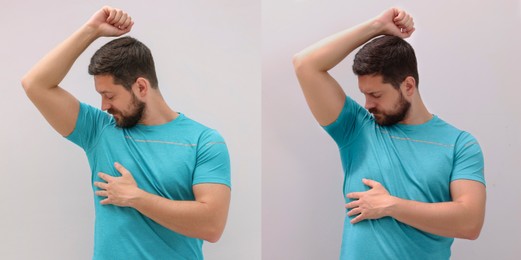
[[90, 31], [137, 198], [376, 27], [393, 205]]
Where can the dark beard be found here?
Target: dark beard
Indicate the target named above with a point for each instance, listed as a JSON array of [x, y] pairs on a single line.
[[402, 108], [127, 121]]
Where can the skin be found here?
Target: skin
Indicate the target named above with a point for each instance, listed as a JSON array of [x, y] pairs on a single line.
[[461, 217], [118, 101], [388, 105], [203, 218]]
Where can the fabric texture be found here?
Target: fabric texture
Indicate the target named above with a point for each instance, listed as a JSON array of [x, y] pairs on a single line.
[[414, 162], [165, 160]]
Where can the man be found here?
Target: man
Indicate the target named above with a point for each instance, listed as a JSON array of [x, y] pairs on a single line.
[[413, 182], [162, 180]]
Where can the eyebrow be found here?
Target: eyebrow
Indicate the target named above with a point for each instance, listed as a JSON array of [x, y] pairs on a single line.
[[372, 92]]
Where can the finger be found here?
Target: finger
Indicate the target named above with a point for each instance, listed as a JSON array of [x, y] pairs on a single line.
[[354, 212], [357, 219], [117, 17], [352, 204], [101, 185], [105, 176], [121, 20], [402, 24], [354, 195], [128, 28], [111, 12], [121, 169], [102, 193], [410, 23], [105, 201], [370, 183], [126, 24], [398, 14]]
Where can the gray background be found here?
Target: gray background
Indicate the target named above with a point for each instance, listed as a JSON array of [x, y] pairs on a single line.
[[468, 54], [208, 62]]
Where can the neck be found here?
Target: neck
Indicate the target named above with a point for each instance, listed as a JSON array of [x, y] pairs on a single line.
[[418, 114], [157, 112]]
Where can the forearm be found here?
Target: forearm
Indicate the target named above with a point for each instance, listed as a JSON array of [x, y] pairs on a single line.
[[51, 69], [449, 219], [327, 53], [190, 218]]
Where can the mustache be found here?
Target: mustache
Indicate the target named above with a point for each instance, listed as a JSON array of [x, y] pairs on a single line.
[[113, 111]]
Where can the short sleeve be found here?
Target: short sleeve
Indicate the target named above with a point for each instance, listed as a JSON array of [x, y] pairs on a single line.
[[89, 126], [348, 123], [213, 161], [468, 159]]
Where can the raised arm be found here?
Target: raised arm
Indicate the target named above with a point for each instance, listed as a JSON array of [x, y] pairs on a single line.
[[323, 94], [58, 106]]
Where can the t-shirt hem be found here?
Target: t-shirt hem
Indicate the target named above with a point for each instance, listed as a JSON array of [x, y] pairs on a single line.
[[471, 178], [214, 180]]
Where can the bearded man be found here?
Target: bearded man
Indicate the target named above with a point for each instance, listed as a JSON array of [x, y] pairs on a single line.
[[412, 182], [161, 180]]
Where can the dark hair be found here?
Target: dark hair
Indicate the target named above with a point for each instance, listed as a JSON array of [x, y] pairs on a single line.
[[125, 59], [388, 56]]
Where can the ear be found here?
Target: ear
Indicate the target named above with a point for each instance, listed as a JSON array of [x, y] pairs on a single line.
[[142, 86], [409, 86]]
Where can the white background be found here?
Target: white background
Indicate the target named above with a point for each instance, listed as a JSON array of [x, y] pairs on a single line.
[[468, 54], [207, 56]]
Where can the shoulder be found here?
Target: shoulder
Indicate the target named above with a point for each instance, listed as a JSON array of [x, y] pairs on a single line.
[[455, 134], [200, 131]]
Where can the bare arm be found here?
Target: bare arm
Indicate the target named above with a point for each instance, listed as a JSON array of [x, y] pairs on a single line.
[[204, 218], [462, 217], [58, 106], [323, 94]]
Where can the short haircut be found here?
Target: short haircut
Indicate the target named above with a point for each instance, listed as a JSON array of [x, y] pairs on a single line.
[[125, 59], [389, 56]]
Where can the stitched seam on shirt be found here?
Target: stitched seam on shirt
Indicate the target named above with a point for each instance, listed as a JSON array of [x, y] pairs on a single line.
[[158, 141], [416, 140], [469, 144], [421, 141], [98, 138], [212, 143]]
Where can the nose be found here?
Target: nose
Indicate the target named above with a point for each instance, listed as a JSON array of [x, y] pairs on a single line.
[[105, 105], [369, 105]]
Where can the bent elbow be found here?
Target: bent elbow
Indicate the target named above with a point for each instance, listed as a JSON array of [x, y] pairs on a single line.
[[472, 232], [26, 83], [298, 62], [213, 235]]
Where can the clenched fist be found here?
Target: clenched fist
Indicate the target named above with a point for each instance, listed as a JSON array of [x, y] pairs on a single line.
[[110, 21]]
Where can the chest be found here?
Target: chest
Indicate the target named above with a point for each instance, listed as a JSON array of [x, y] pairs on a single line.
[[160, 165], [411, 168]]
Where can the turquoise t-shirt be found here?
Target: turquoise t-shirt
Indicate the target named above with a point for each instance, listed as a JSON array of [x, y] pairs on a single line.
[[414, 162], [166, 160]]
